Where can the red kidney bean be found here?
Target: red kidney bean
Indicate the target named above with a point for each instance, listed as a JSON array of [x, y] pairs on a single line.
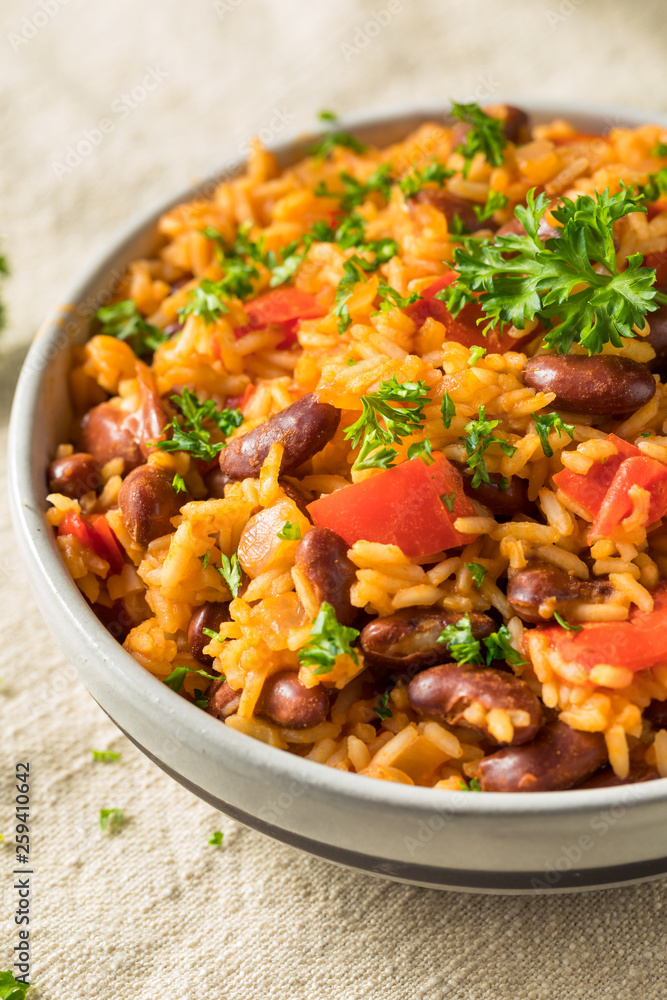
[[104, 435], [448, 690], [302, 428], [451, 205], [215, 482], [656, 713], [501, 503], [321, 556], [540, 589], [288, 702], [74, 476], [147, 423], [407, 641], [297, 496], [211, 616], [559, 757], [639, 772], [223, 700], [657, 338], [601, 385], [147, 501], [117, 620]]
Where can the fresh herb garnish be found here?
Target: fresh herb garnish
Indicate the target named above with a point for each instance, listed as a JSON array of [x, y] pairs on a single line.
[[205, 559], [124, 322], [475, 354], [355, 192], [457, 227], [105, 755], [179, 484], [655, 187], [449, 499], [447, 410], [567, 625], [216, 838], [521, 279], [660, 149], [177, 676], [211, 633], [230, 571], [392, 299], [325, 146], [328, 640], [415, 180], [550, 422], [464, 648], [189, 435], [499, 647], [485, 135], [327, 116], [290, 532], [494, 202], [383, 711], [400, 407], [478, 438], [474, 786], [111, 820], [12, 989], [354, 270], [206, 301], [478, 573]]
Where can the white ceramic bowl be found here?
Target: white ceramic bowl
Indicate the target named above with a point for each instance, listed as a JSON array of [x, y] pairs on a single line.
[[546, 841]]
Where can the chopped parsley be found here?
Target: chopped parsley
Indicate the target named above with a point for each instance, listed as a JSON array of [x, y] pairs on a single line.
[[485, 135], [449, 499], [475, 354], [521, 279], [355, 192], [327, 116], [105, 755], [354, 270], [383, 711], [178, 674], [415, 180], [660, 149], [325, 146], [550, 422], [447, 410], [111, 820], [12, 989], [474, 786], [211, 633], [124, 322], [478, 573], [478, 438], [391, 299], [189, 435], [499, 647], [290, 532], [230, 571], [179, 484], [328, 640], [205, 559], [464, 648], [457, 227], [393, 412], [216, 838], [206, 301], [567, 625], [494, 202], [655, 187]]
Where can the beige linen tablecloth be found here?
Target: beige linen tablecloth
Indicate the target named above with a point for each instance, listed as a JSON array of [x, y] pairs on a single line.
[[155, 912]]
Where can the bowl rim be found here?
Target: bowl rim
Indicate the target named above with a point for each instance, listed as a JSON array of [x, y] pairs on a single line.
[[134, 682]]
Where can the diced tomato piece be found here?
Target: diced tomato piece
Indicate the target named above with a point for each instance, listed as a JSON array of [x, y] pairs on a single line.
[[285, 306], [590, 489], [400, 506], [658, 260], [636, 471], [638, 643], [94, 533], [463, 328]]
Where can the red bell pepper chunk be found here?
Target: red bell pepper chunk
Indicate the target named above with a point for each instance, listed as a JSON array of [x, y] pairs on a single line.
[[94, 533], [463, 329], [589, 489], [657, 260], [637, 471], [400, 506], [285, 306], [637, 644]]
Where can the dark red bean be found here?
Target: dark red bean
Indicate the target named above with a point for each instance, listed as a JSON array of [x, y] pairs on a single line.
[[452, 206], [104, 435], [501, 503], [302, 428], [657, 338], [297, 496], [559, 757], [407, 641], [606, 778], [656, 713], [321, 556], [445, 692], [117, 620], [147, 423], [540, 589], [223, 700], [215, 482], [602, 385], [211, 616], [147, 501], [515, 121], [74, 476], [288, 702]]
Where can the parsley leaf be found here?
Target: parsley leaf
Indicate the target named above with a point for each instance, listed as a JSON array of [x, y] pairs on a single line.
[[230, 571], [550, 422], [354, 270], [474, 786], [179, 484], [290, 532], [460, 641], [216, 838], [400, 407], [383, 711], [206, 300], [499, 647], [655, 187], [521, 279], [391, 299], [12, 989], [457, 227], [494, 202], [415, 180], [327, 116], [189, 435], [355, 192], [448, 410], [567, 625], [325, 146], [328, 640], [478, 439], [105, 755], [478, 573], [475, 354], [449, 499], [205, 558], [485, 135], [123, 321], [177, 676], [111, 820]]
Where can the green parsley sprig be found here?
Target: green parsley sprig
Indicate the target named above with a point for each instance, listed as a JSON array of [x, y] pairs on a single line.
[[494, 202], [123, 321], [383, 711], [178, 675], [395, 411], [391, 299], [546, 423], [111, 820], [480, 437], [328, 640], [230, 571], [415, 180], [464, 648], [188, 433], [290, 532], [11, 988], [106, 756], [485, 135], [355, 192]]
